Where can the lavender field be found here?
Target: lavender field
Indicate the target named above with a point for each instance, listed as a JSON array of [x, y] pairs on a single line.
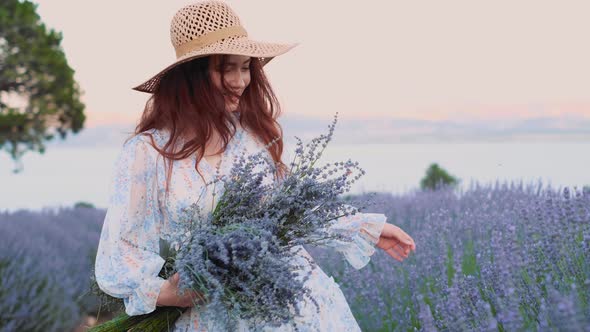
[[502, 257], [499, 257], [45, 266]]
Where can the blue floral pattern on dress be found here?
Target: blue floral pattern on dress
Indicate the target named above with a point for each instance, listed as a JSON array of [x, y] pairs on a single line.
[[140, 214]]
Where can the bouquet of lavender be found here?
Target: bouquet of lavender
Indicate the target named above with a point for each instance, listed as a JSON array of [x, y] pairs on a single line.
[[240, 256]]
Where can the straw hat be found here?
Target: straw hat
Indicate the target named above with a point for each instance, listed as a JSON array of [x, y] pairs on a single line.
[[211, 27]]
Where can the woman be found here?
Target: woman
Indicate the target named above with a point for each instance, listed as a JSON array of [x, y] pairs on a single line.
[[213, 103]]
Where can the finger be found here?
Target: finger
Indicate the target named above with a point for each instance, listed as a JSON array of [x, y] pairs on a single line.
[[401, 250], [189, 298], [405, 238], [200, 298], [193, 301], [391, 252], [409, 242], [401, 247], [405, 247]]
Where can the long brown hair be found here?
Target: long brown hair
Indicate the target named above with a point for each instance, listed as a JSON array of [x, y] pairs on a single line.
[[187, 102]]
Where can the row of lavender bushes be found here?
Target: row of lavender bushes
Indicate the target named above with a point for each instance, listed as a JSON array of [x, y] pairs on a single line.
[[46, 260], [500, 257]]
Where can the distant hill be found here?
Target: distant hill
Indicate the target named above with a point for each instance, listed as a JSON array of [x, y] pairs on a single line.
[[386, 130]]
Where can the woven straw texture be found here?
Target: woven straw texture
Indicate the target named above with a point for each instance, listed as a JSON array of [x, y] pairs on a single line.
[[211, 27]]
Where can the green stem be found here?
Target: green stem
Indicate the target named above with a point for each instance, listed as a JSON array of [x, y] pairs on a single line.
[[158, 320]]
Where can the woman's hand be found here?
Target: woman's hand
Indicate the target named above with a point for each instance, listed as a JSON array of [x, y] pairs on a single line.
[[170, 297], [395, 242]]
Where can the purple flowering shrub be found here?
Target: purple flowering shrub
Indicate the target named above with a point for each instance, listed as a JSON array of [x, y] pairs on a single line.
[[501, 257], [46, 260]]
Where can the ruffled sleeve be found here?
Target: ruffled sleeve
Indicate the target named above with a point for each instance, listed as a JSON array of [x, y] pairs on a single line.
[[364, 229], [128, 261]]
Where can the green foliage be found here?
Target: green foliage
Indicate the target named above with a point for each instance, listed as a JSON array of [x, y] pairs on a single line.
[[38, 95], [469, 260], [160, 320], [85, 205], [437, 177]]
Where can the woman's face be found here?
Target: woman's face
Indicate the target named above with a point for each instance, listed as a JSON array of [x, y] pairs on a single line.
[[236, 73]]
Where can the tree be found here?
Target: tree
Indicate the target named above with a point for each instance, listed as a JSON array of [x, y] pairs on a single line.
[[39, 97], [83, 205], [436, 178]]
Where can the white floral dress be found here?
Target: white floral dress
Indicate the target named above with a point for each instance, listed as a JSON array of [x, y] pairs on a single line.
[[139, 215]]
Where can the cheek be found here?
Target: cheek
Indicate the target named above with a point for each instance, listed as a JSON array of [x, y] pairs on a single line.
[[215, 79]]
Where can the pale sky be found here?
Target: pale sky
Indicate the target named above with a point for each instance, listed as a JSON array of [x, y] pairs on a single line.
[[397, 71], [433, 60]]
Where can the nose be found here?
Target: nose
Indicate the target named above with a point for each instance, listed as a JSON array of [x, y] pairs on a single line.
[[237, 81]]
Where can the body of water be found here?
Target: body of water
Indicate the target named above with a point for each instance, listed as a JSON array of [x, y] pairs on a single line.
[[64, 176]]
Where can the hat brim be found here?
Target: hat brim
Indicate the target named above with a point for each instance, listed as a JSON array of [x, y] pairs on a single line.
[[231, 45]]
